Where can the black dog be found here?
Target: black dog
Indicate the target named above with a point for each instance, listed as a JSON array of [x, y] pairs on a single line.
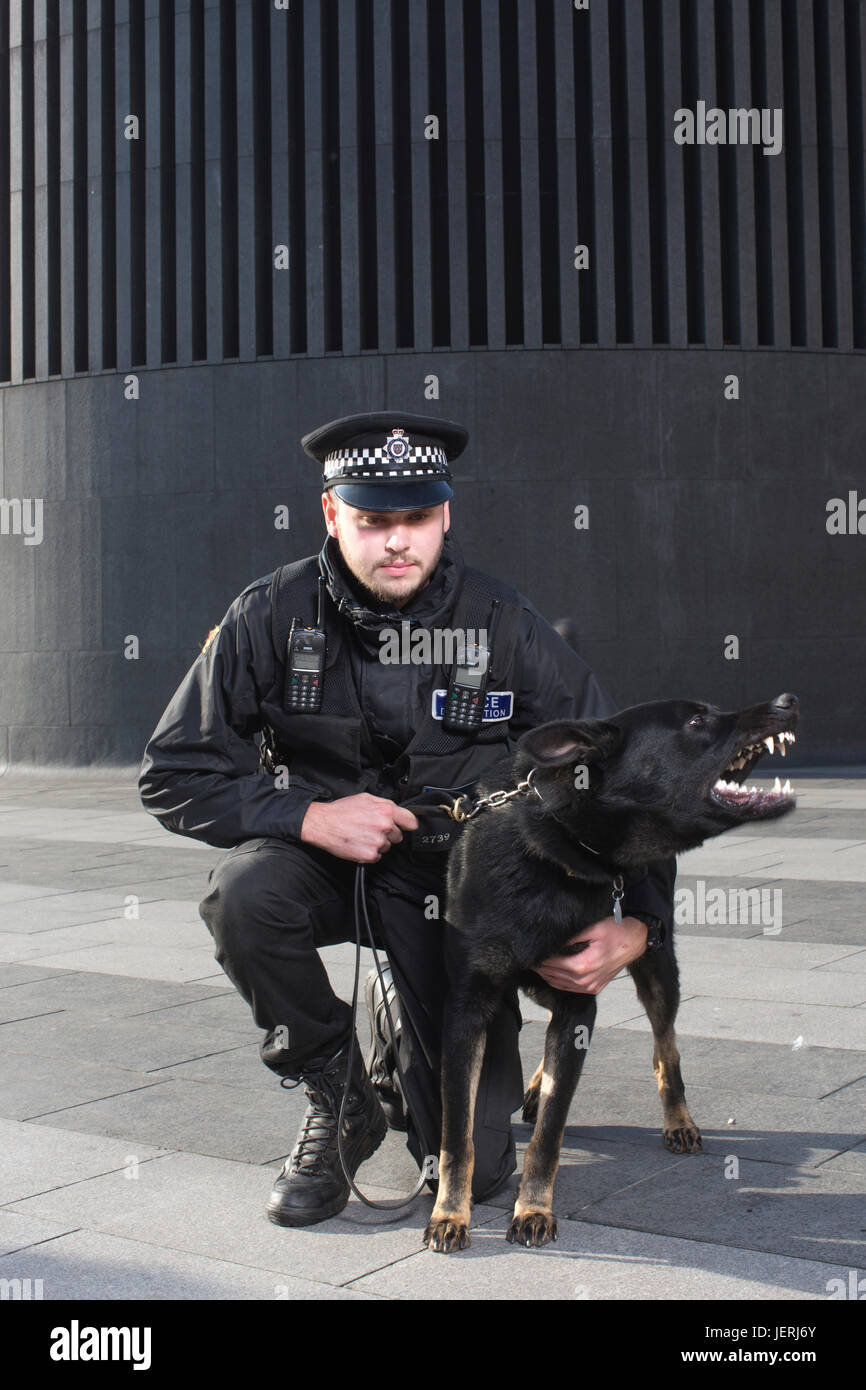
[[604, 797]]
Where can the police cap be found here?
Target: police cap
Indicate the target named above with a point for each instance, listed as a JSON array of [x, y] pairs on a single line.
[[387, 461]]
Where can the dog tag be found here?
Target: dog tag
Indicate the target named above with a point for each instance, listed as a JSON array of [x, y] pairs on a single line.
[[618, 894]]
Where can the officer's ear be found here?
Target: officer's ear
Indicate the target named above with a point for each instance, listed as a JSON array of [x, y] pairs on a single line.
[[447, 515], [329, 507]]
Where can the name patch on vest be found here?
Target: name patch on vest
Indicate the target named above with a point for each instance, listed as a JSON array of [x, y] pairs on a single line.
[[498, 704]]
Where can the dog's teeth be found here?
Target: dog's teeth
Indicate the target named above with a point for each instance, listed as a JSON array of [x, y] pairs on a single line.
[[769, 743], [787, 787], [777, 785], [782, 749]]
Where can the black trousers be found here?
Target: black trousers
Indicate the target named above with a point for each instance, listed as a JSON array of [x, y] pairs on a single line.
[[271, 903]]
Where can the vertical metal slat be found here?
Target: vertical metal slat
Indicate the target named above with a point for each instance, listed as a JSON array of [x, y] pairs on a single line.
[[493, 178], [457, 211], [639, 219], [314, 175], [282, 279], [420, 147], [246, 226], [155, 227], [602, 145], [530, 198]]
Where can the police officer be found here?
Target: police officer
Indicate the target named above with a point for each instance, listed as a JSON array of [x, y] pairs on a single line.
[[351, 738]]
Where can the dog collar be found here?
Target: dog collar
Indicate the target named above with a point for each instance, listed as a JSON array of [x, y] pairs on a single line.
[[616, 895]]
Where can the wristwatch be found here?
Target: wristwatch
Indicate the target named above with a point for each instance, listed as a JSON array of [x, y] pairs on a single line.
[[656, 931]]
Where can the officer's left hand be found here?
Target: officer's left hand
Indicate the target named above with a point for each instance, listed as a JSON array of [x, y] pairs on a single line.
[[612, 945]]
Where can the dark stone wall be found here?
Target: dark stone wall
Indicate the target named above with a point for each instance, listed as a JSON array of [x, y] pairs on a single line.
[[434, 276]]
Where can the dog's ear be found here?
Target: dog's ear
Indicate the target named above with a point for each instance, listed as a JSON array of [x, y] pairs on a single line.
[[568, 740]]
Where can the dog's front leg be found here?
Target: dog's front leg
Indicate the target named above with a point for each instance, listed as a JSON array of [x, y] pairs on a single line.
[[565, 1048], [463, 1043], [656, 979]]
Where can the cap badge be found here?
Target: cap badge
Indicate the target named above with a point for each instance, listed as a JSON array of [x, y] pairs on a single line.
[[397, 445]]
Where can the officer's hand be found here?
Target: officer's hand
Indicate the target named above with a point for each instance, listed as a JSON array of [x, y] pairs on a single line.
[[361, 828], [611, 945]]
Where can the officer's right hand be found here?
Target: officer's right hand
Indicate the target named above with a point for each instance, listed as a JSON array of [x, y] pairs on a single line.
[[361, 828]]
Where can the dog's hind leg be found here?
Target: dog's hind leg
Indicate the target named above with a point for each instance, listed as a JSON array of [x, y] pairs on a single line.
[[656, 979], [463, 1041], [565, 1047]]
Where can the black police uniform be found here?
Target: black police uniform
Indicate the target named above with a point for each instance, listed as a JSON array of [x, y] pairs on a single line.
[[273, 900]]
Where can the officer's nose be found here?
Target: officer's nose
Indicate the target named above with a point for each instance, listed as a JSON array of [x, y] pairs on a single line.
[[397, 541]]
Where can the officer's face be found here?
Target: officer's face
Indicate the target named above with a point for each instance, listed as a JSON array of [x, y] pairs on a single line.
[[392, 553]]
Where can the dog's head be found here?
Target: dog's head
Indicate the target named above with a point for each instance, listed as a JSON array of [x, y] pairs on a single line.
[[657, 779]]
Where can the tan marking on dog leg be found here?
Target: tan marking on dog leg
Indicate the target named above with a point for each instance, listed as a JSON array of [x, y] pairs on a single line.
[[449, 1223], [680, 1132]]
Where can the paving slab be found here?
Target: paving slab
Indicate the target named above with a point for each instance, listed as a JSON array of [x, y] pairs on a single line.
[[36, 1159], [109, 996], [774, 983], [21, 1232], [794, 857], [90, 1265], [195, 1116], [829, 914], [728, 1064], [766, 1021], [241, 1068], [223, 1009], [11, 975], [186, 963], [853, 1161], [35, 1086], [815, 1214], [166, 1208], [781, 1129], [91, 1038], [807, 1071], [597, 1263], [770, 951]]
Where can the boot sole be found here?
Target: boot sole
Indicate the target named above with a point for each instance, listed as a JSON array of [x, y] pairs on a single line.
[[337, 1204]]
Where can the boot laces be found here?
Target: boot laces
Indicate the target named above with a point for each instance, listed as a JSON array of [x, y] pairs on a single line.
[[318, 1136]]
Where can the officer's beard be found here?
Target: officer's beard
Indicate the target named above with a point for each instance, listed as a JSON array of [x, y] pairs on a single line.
[[376, 587]]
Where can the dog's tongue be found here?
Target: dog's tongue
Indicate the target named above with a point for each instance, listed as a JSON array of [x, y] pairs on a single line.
[[735, 795]]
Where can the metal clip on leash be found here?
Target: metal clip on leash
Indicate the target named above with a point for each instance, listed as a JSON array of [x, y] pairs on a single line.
[[392, 1204]]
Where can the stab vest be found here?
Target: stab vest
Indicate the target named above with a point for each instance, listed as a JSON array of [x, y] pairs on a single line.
[[333, 748]]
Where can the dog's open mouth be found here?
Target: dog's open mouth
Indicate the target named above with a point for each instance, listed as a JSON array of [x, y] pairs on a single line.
[[731, 789]]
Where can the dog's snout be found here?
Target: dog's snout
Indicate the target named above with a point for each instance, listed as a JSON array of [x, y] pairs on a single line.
[[786, 702]]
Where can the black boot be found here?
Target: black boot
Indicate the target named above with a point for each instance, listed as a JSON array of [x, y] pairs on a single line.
[[312, 1185], [381, 1060]]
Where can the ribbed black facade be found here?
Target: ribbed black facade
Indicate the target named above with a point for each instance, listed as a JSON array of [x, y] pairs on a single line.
[[223, 222]]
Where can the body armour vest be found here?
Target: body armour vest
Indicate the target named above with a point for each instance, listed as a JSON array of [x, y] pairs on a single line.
[[334, 748]]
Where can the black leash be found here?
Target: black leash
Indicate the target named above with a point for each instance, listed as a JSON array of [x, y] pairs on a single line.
[[392, 1204]]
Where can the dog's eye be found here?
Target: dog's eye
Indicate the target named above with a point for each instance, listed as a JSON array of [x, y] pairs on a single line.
[[695, 721]]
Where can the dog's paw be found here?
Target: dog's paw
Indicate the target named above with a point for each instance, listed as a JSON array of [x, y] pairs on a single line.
[[533, 1228], [685, 1140], [447, 1235]]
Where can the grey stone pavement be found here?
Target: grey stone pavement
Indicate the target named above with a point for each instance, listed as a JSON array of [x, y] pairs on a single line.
[[140, 1131]]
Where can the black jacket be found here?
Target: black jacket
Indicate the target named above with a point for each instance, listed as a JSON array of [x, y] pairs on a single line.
[[200, 773]]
